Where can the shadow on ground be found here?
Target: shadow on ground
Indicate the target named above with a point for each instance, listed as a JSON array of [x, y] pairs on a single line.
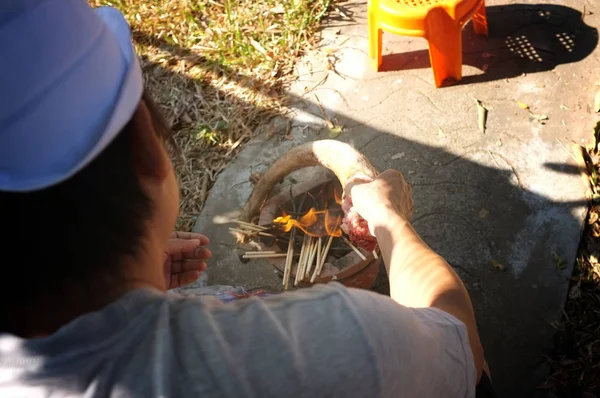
[[506, 241]]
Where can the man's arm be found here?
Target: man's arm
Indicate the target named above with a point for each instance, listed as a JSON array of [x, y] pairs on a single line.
[[418, 276]]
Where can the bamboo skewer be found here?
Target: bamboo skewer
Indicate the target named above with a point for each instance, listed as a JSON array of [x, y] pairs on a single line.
[[288, 260], [311, 258], [354, 248], [251, 226], [302, 260], [268, 255], [319, 251], [245, 232], [322, 262]]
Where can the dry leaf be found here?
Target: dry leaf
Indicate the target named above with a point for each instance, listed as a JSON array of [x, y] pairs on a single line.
[[259, 48], [575, 292], [481, 115], [483, 213], [335, 131], [497, 265], [593, 217], [441, 133], [560, 263], [523, 105]]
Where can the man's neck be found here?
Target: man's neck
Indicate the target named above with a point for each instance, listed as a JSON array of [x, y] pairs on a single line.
[[45, 315]]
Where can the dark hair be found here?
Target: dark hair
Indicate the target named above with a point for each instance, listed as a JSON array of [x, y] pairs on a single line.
[[79, 231]]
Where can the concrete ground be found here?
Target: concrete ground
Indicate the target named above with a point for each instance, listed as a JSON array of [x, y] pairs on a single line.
[[505, 207]]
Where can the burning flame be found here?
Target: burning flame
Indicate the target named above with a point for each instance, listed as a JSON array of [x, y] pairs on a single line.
[[337, 197], [313, 221]]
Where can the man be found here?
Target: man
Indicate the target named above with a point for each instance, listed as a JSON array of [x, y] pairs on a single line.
[[83, 165]]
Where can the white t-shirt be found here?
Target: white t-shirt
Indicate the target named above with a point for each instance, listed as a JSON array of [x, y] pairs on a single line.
[[327, 341]]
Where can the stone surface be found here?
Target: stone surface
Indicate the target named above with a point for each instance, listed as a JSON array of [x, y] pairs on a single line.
[[509, 198]]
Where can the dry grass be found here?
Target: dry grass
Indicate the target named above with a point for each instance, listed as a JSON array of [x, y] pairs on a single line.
[[217, 69], [575, 362]]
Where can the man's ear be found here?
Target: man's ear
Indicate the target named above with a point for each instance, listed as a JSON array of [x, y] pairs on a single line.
[[150, 159]]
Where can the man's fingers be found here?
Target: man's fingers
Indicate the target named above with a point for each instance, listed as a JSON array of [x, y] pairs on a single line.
[[176, 247], [187, 265], [183, 278], [201, 253], [190, 235]]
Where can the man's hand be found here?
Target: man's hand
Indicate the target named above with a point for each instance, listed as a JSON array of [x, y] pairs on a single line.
[[388, 193], [185, 258]]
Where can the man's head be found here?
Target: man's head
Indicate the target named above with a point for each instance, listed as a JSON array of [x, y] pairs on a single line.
[[88, 196]]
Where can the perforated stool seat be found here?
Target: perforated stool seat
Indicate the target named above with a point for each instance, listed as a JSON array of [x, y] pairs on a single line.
[[440, 22]]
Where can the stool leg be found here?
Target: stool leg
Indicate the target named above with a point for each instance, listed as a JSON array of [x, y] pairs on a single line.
[[480, 25], [375, 41], [445, 54]]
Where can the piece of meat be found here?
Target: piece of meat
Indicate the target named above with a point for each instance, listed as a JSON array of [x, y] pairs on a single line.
[[356, 227]]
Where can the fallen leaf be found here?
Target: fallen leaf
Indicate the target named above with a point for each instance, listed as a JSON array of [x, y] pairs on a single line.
[[483, 213], [563, 106], [441, 133], [335, 131], [523, 105], [593, 217], [499, 142], [539, 118], [259, 48], [481, 115], [398, 155], [497, 265], [575, 292], [560, 263]]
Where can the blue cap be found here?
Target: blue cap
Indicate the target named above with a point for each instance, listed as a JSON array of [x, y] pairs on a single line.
[[69, 82]]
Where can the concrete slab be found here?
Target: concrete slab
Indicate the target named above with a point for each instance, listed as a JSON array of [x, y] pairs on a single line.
[[511, 196]]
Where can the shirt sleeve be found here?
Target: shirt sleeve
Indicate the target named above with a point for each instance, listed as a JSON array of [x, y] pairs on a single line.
[[418, 352]]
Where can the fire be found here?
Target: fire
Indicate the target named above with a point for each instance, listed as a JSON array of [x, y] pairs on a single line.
[[337, 196], [314, 222]]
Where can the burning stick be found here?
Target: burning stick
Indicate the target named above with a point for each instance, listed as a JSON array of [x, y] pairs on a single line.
[[323, 258], [288, 260], [311, 258], [354, 248], [302, 259]]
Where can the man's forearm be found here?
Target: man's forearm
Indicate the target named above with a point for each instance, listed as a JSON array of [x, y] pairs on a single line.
[[421, 278]]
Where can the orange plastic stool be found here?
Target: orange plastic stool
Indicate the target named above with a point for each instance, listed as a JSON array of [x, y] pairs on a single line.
[[438, 21]]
